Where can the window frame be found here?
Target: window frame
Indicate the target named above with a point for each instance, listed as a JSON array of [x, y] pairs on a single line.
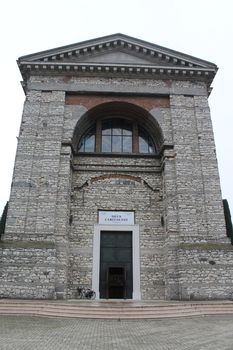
[[121, 125], [137, 129]]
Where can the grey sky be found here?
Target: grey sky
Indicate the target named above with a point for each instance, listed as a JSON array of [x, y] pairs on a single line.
[[203, 28]]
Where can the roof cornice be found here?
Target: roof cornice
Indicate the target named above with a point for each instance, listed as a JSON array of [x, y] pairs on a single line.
[[148, 71], [82, 59], [115, 40]]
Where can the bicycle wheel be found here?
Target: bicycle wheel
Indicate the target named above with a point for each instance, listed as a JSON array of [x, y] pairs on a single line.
[[92, 295]]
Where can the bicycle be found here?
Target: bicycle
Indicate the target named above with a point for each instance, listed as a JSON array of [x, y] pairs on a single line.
[[86, 293]]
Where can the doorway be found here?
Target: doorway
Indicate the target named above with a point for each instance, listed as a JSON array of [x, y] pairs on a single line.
[[134, 229], [116, 273]]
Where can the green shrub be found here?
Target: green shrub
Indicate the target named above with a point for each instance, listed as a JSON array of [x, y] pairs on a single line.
[[228, 221], [3, 220]]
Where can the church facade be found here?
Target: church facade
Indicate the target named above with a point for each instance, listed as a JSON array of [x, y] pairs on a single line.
[[116, 183]]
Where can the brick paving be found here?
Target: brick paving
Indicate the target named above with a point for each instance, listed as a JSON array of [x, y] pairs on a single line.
[[198, 333]]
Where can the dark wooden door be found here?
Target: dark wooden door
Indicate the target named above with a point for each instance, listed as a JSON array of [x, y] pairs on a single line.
[[116, 265]]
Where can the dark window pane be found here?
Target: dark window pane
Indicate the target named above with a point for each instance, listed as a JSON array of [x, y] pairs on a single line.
[[121, 135], [106, 127], [116, 143], [127, 130], [106, 144], [81, 145], [151, 146], [146, 144], [116, 136], [142, 133], [127, 144], [87, 142], [143, 145], [116, 131], [106, 131], [117, 126], [90, 143]]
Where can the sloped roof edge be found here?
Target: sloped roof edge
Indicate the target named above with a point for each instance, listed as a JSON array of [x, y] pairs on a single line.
[[118, 36]]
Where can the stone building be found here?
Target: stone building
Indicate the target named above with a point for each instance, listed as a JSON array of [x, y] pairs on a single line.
[[116, 183]]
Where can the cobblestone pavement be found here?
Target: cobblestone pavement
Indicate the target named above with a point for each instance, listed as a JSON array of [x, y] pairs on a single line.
[[199, 333]]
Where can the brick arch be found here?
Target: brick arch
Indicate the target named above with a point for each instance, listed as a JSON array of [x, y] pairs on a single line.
[[116, 176], [126, 110]]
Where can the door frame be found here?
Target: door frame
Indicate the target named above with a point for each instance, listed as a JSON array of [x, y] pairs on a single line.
[[135, 256]]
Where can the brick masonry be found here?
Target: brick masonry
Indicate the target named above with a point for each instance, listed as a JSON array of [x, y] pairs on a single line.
[[56, 193]]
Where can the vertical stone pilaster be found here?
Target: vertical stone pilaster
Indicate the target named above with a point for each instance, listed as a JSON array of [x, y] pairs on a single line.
[[213, 217], [198, 187], [63, 219], [187, 165], [171, 225], [35, 182], [23, 187], [52, 122]]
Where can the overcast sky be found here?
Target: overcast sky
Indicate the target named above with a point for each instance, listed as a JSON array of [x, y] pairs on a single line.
[[201, 28]]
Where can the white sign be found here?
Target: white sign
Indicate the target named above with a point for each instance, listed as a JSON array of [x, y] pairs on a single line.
[[116, 217]]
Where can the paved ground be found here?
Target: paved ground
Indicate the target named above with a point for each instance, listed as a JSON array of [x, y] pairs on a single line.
[[32, 333]]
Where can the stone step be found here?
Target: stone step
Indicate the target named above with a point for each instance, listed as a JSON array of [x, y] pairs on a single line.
[[111, 311], [111, 316], [95, 309]]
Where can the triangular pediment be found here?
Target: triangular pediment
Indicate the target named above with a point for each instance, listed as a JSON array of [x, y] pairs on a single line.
[[118, 55], [118, 49], [111, 57]]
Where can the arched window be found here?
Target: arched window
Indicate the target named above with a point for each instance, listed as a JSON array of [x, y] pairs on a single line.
[[146, 144], [116, 135], [87, 142]]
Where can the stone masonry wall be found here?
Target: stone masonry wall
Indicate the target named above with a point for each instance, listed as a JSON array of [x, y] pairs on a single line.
[[176, 201], [32, 206], [198, 190], [40, 194], [205, 271], [137, 191], [192, 195], [27, 273]]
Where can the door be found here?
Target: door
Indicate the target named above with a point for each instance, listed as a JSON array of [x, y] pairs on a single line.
[[116, 265]]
